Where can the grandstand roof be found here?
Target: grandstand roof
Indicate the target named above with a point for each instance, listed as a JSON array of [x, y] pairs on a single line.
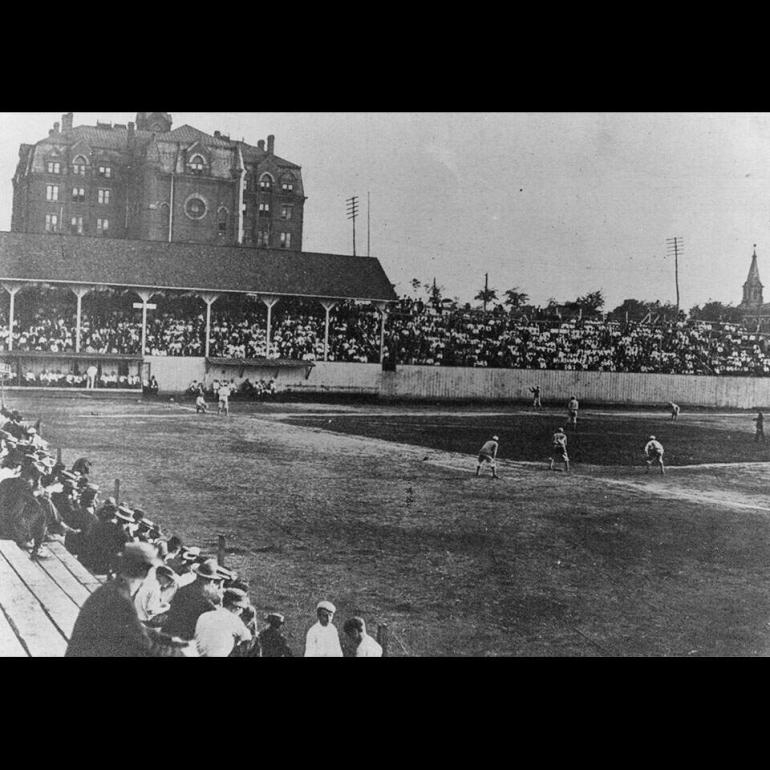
[[75, 259]]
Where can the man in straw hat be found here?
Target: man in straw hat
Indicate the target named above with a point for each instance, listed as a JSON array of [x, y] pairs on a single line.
[[191, 601], [108, 624]]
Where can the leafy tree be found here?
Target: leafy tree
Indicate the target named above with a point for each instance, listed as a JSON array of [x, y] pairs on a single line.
[[716, 311], [485, 296], [591, 303], [515, 298]]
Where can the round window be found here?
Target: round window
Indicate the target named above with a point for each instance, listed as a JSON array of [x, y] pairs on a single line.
[[195, 208]]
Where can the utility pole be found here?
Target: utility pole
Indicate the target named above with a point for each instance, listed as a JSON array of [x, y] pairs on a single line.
[[675, 246], [486, 290], [352, 207], [368, 225]]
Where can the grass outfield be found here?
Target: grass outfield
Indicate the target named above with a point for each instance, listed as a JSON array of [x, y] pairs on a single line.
[[376, 508]]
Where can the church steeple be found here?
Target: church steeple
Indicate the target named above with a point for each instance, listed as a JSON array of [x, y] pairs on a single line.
[[157, 122], [752, 289]]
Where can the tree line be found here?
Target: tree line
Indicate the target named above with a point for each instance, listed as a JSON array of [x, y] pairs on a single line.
[[589, 305]]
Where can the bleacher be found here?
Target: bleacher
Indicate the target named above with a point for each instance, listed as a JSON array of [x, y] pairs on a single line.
[[40, 599]]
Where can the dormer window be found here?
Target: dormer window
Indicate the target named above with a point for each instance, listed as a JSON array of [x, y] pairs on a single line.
[[79, 166], [197, 164], [266, 182], [287, 184]]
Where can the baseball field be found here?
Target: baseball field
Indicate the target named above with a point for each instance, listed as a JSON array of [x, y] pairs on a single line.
[[376, 507]]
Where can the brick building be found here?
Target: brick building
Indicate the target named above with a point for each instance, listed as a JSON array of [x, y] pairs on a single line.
[[147, 181]]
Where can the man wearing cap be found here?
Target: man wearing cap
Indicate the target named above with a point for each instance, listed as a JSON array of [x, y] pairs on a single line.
[[653, 453], [191, 601], [272, 640], [219, 631], [322, 640], [108, 625], [104, 541], [488, 454], [559, 449], [91, 373], [359, 643], [572, 410], [225, 389]]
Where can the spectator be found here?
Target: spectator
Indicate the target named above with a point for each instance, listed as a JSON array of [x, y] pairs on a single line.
[[104, 542], [108, 624], [192, 600], [359, 643], [272, 640], [218, 631], [322, 640]]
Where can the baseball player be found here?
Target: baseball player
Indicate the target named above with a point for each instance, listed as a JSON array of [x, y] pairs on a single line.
[[536, 397], [559, 449], [572, 410], [760, 432], [225, 389], [488, 454], [653, 453], [674, 410]]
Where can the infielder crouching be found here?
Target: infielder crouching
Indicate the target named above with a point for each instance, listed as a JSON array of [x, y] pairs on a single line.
[[488, 455], [653, 453]]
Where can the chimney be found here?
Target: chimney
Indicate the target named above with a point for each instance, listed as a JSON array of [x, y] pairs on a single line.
[[217, 134], [66, 122], [261, 145], [131, 128], [56, 127], [270, 144]]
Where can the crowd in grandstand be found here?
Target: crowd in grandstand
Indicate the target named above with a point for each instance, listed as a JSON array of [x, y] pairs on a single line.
[[416, 333], [159, 597]]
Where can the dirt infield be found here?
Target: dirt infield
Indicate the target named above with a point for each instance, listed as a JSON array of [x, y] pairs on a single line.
[[379, 511]]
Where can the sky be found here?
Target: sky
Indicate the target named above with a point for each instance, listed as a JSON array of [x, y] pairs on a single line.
[[555, 204]]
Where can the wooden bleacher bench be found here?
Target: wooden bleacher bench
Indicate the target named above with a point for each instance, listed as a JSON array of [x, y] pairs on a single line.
[[40, 599]]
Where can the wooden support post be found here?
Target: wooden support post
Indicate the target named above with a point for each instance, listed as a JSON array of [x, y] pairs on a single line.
[[382, 638], [209, 299], [58, 456], [269, 301], [383, 308], [327, 306], [117, 491], [221, 550], [80, 292], [12, 289]]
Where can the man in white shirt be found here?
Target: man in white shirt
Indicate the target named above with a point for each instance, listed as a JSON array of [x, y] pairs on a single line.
[[224, 398], [91, 372], [322, 639], [674, 408], [218, 632], [360, 644]]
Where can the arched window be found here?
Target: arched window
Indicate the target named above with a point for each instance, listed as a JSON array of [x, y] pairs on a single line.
[[79, 166], [197, 164], [287, 183], [222, 221], [266, 182]]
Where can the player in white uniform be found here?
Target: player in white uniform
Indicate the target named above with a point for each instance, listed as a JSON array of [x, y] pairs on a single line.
[[225, 389], [488, 454], [559, 449], [674, 410], [572, 409], [653, 453]]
